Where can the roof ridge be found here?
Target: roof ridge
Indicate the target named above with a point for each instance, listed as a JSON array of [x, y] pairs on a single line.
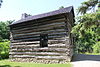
[[51, 13]]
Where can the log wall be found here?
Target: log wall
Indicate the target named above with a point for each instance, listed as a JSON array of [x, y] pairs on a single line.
[[25, 42]]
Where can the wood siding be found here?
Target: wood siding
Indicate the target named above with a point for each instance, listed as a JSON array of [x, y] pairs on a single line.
[[25, 40]]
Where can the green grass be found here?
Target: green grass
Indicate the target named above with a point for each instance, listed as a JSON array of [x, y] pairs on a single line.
[[92, 53], [8, 63]]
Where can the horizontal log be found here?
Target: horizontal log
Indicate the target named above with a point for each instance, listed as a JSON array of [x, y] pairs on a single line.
[[40, 29], [39, 53], [30, 24], [45, 49], [37, 42], [35, 36], [38, 38], [63, 36], [44, 21], [57, 26], [41, 26], [25, 46], [56, 42], [59, 45], [15, 41], [38, 33], [31, 42], [27, 39], [51, 42], [40, 57], [49, 38], [28, 43], [59, 38]]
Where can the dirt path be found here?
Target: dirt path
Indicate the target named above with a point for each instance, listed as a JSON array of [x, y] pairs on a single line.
[[81, 60]]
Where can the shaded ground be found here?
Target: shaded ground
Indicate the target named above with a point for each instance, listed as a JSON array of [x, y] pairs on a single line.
[[82, 60], [82, 57]]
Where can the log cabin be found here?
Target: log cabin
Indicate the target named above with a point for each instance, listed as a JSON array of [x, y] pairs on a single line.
[[43, 38]]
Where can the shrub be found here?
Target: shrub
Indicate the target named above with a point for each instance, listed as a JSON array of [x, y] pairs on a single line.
[[4, 49], [96, 48]]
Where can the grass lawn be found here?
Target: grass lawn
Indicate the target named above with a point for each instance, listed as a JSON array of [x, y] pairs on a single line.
[[7, 63], [92, 53]]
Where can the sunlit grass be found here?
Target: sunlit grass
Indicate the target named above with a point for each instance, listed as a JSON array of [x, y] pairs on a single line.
[[92, 53], [8, 63]]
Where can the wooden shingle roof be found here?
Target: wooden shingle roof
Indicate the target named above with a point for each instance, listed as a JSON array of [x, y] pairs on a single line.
[[52, 13]]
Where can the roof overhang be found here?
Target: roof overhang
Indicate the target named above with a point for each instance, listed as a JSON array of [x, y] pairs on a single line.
[[52, 13]]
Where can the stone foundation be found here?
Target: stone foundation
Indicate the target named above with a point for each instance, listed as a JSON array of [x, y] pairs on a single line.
[[45, 61]]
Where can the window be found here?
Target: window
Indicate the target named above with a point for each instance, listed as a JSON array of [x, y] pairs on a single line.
[[43, 40]]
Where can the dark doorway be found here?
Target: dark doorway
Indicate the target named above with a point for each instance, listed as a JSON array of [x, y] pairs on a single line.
[[43, 40]]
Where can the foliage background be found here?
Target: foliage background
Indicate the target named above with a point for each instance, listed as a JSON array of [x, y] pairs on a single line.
[[86, 30], [4, 39], [87, 33]]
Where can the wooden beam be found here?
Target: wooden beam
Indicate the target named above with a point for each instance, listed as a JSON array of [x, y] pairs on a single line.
[[36, 23], [40, 57], [38, 33], [38, 53], [46, 49], [37, 29]]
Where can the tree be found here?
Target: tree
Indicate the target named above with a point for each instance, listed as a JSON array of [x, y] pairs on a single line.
[[0, 2], [87, 32], [88, 5], [61, 7], [4, 39], [4, 30], [87, 28]]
